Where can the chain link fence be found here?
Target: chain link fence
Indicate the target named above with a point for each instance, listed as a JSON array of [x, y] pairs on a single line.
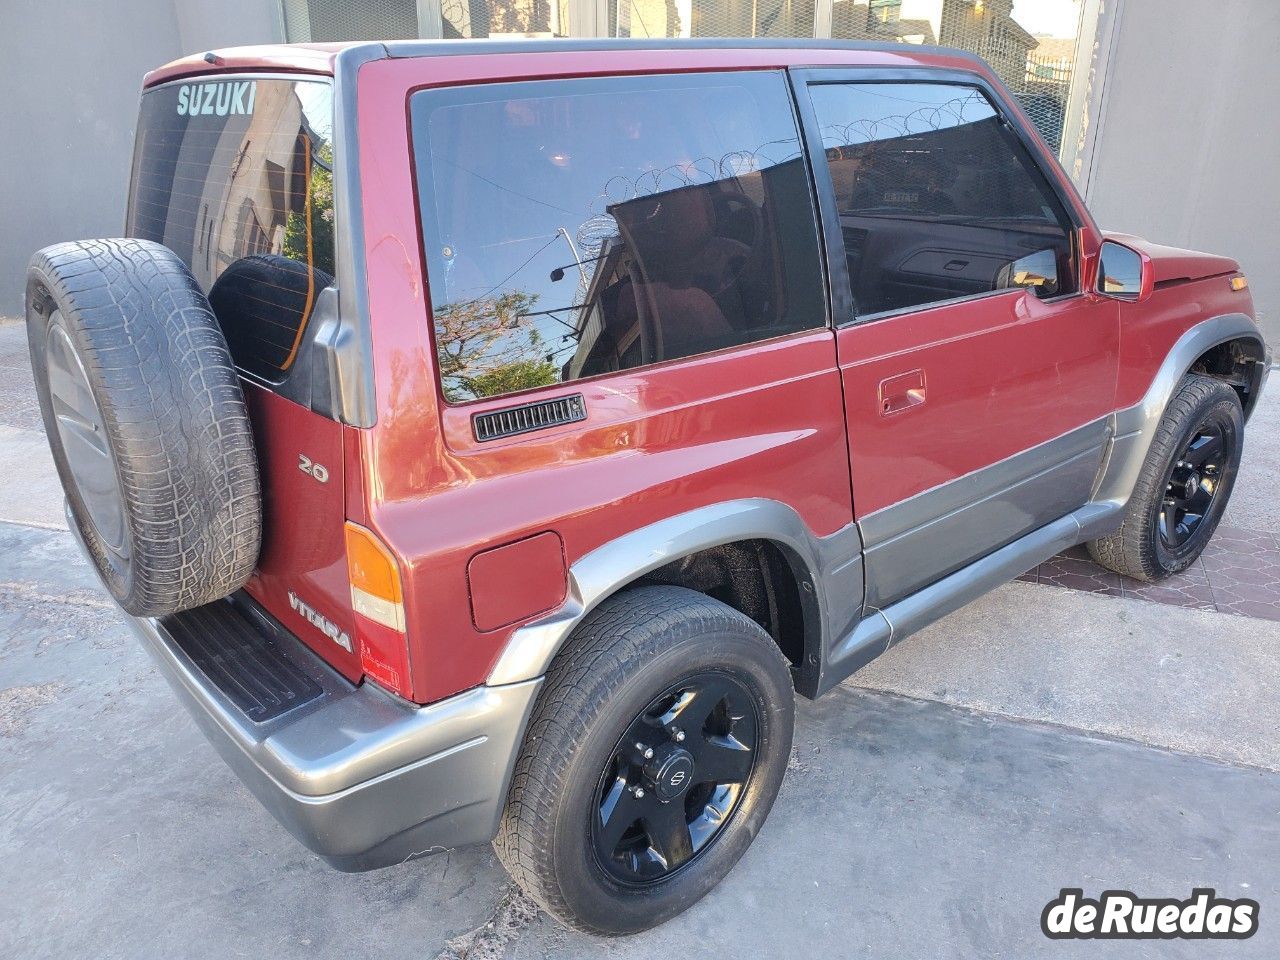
[[711, 18], [462, 19], [320, 21], [1037, 67]]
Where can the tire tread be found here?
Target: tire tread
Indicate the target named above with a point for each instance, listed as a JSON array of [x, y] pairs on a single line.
[[174, 414], [622, 632], [1130, 550]]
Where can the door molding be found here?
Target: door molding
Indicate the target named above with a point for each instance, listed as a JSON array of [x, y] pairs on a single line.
[[926, 537]]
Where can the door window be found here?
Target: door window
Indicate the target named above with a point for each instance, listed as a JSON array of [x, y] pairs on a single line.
[[937, 198], [577, 227]]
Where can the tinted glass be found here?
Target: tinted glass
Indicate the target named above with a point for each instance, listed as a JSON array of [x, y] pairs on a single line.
[[937, 199], [578, 227], [235, 177], [1121, 272]]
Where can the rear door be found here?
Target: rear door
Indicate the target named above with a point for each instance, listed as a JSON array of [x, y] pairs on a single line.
[[977, 377], [234, 174]]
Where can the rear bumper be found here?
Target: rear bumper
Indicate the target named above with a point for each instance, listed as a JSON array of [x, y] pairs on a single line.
[[357, 775]]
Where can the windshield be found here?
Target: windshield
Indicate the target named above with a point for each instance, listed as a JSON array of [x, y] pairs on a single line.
[[235, 176]]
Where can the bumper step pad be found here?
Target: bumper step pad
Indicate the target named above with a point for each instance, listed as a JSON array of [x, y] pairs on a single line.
[[251, 669]]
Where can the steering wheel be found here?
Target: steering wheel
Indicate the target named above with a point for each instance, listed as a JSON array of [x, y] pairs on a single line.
[[730, 267]]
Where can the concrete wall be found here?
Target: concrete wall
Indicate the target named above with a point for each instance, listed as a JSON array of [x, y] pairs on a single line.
[[70, 73], [1187, 150]]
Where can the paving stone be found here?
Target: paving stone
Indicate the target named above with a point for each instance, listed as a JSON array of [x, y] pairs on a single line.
[[1074, 569]]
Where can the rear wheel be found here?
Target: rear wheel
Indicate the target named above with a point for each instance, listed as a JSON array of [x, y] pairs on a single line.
[[675, 778], [1184, 485], [654, 755]]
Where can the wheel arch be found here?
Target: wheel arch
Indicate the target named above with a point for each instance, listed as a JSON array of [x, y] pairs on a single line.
[[732, 551], [1238, 362], [1222, 343], [760, 578]]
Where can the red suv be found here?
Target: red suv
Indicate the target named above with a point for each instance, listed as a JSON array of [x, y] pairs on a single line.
[[489, 440]]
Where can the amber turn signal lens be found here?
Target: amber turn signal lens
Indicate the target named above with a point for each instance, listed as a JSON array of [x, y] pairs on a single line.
[[375, 578], [1239, 282]]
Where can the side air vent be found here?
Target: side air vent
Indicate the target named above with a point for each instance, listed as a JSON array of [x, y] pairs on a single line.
[[529, 416]]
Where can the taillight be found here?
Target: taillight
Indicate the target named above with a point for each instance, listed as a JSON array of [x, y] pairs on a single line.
[[378, 601]]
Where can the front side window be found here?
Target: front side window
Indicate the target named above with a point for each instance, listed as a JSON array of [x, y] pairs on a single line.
[[577, 227], [936, 197]]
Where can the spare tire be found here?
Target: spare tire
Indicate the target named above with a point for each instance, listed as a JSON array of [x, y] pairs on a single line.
[[147, 422]]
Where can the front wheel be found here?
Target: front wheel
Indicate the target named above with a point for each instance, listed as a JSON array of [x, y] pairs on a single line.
[[1184, 485], [653, 756]]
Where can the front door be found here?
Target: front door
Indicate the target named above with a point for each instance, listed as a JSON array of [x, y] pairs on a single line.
[[977, 376]]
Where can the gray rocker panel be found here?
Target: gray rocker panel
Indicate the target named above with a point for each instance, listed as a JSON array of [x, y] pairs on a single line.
[[881, 629]]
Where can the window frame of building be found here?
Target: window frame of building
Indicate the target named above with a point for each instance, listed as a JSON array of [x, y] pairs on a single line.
[[1025, 139]]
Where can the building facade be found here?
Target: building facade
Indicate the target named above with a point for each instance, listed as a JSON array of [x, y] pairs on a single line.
[[1155, 118]]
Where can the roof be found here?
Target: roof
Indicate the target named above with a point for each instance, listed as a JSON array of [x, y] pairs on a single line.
[[1055, 48], [322, 57]]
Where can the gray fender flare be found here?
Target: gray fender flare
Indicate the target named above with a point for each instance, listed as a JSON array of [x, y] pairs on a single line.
[[608, 568]]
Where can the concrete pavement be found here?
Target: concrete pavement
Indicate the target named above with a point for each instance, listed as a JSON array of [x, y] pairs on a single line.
[[1037, 739]]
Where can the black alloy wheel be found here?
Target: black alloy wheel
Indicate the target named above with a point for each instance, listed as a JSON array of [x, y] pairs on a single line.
[[1193, 484], [675, 778]]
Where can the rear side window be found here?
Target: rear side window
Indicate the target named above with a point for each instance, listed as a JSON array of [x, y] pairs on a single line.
[[937, 199], [578, 227], [235, 176]]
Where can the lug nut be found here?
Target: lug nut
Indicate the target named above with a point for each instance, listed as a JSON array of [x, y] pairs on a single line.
[[678, 736], [646, 752], [638, 792]]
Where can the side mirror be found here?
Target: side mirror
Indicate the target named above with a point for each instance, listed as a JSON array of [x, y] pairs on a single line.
[[1124, 273], [1036, 272]]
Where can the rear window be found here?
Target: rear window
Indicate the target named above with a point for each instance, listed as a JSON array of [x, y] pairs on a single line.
[[578, 227], [235, 176]]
